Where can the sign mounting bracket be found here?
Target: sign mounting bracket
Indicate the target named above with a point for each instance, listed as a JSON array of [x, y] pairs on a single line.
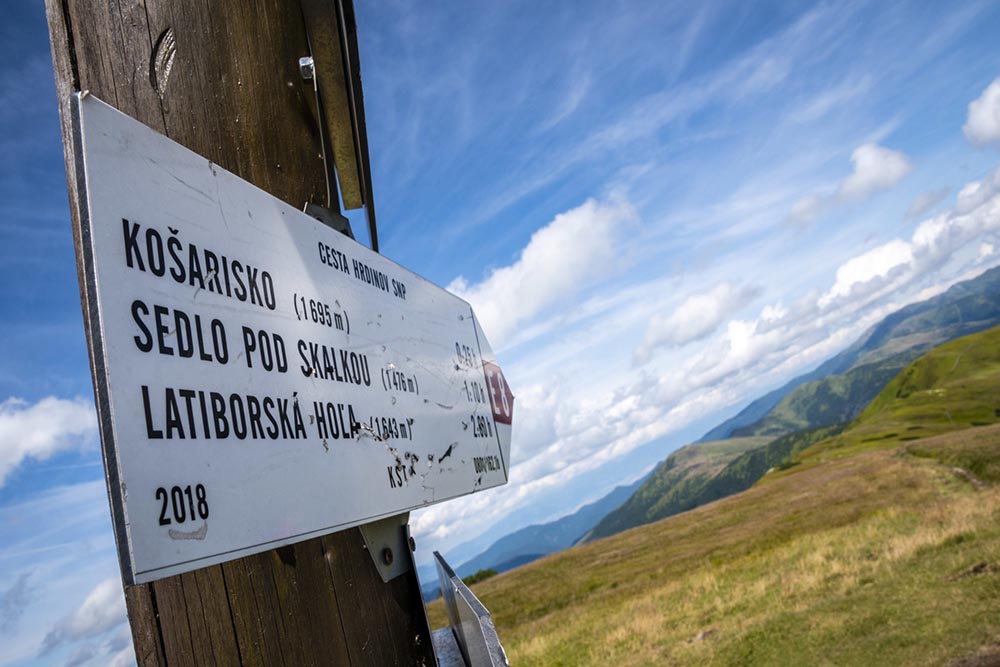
[[388, 543]]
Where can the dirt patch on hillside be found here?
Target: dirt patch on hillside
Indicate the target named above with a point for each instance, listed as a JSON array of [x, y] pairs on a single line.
[[975, 570], [985, 657]]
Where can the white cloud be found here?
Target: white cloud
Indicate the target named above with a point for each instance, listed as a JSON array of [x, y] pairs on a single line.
[[876, 263], [102, 610], [38, 431], [124, 657], [982, 126], [924, 202], [830, 99], [13, 602], [575, 249], [570, 434], [875, 168], [695, 318], [83, 654], [807, 209]]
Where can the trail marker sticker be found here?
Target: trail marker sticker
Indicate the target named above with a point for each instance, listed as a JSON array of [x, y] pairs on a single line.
[[262, 379]]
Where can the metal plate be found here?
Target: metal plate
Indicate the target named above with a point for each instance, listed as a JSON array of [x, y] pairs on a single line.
[[262, 379], [471, 623]]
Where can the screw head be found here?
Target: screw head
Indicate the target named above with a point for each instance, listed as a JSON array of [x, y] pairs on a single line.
[[413, 544], [306, 67], [387, 556]]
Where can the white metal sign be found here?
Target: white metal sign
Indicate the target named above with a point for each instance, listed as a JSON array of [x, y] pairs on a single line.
[[262, 379]]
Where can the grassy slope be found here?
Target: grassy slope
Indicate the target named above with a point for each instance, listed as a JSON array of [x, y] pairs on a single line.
[[676, 485], [892, 345], [831, 400], [953, 387], [816, 408], [850, 557]]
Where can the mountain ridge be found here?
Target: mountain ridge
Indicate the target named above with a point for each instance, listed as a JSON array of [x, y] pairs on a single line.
[[811, 403], [953, 305]]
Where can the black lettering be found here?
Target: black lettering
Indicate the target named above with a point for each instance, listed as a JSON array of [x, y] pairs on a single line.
[[159, 312], [182, 327], [201, 340], [280, 356], [187, 395], [268, 284], [240, 292], [319, 417], [151, 433], [219, 415], [204, 414], [219, 344], [255, 297], [145, 344], [305, 368], [154, 252], [173, 417], [177, 271], [286, 424], [132, 253], [212, 272], [300, 427], [194, 269], [253, 413], [272, 429], [225, 275], [237, 416]]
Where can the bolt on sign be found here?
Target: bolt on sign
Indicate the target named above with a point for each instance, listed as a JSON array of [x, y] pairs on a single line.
[[262, 379]]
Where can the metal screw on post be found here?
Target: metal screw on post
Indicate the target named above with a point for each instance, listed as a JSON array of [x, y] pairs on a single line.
[[387, 556], [307, 67]]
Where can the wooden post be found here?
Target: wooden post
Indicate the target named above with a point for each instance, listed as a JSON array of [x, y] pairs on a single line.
[[222, 78]]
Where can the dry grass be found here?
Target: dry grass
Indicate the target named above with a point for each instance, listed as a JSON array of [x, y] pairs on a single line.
[[848, 562]]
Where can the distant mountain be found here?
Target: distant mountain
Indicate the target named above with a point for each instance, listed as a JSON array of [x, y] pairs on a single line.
[[965, 308], [952, 387], [535, 541], [810, 407], [542, 539], [675, 485]]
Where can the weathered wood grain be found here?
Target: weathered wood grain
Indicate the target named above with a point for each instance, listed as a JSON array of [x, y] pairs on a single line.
[[145, 628], [391, 631], [221, 77]]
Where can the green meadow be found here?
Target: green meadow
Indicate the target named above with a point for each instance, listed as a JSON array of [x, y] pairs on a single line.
[[873, 544]]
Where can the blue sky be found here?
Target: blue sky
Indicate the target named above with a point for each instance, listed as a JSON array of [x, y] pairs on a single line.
[[659, 210]]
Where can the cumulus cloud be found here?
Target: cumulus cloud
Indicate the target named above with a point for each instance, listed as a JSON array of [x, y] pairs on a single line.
[[876, 263], [982, 126], [42, 429], [875, 168], [695, 318], [102, 610], [567, 253]]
